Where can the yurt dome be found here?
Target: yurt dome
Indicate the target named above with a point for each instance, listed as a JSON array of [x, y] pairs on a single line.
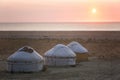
[[26, 59], [60, 55], [77, 47], [60, 50], [81, 52]]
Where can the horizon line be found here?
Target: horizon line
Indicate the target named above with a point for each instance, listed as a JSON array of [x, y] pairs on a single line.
[[68, 22]]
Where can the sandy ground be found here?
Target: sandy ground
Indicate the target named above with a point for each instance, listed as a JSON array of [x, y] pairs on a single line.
[[91, 70], [105, 49], [103, 64]]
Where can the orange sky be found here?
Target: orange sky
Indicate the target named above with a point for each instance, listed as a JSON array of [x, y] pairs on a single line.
[[59, 10]]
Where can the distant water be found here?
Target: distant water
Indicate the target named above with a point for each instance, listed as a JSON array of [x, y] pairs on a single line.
[[106, 26]]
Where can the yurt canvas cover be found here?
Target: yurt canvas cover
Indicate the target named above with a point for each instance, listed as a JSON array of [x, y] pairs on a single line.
[[26, 59], [60, 55], [81, 52]]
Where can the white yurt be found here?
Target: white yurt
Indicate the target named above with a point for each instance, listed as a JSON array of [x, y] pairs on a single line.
[[60, 55], [81, 52], [26, 59]]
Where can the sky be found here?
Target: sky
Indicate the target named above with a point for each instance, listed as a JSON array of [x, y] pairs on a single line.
[[59, 10]]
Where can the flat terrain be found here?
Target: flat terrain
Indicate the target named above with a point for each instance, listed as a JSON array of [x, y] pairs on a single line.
[[62, 34], [104, 48], [103, 64], [92, 70]]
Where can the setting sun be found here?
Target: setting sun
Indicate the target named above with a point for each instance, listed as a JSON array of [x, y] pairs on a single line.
[[94, 10], [59, 10]]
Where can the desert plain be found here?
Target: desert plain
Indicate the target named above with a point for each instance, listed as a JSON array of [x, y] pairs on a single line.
[[103, 64]]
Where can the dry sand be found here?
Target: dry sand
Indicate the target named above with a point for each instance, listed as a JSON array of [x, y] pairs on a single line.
[[104, 61], [105, 49]]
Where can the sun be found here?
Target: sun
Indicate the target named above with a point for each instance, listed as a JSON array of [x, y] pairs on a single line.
[[94, 10]]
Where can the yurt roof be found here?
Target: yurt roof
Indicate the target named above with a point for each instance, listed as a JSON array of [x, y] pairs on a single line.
[[60, 50], [25, 53], [77, 47]]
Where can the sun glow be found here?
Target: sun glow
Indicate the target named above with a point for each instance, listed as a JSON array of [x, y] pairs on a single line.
[[94, 10]]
